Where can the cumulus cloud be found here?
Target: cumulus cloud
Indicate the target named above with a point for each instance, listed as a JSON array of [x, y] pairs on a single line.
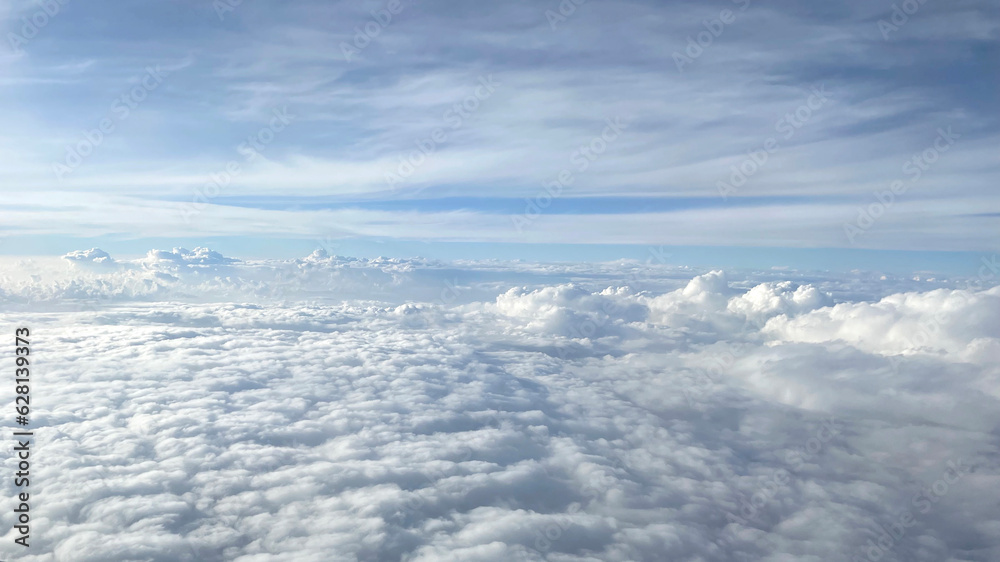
[[181, 257], [508, 412], [941, 322], [771, 299], [569, 310], [93, 255]]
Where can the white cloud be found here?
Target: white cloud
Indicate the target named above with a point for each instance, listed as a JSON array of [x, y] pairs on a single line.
[[93, 255], [199, 257], [770, 299], [525, 420], [942, 322]]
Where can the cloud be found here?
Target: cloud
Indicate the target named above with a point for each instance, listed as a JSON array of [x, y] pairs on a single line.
[[181, 257], [771, 299], [697, 415], [93, 255], [570, 311], [942, 322]]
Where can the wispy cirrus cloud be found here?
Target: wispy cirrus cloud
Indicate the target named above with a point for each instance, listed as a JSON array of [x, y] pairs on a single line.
[[887, 100]]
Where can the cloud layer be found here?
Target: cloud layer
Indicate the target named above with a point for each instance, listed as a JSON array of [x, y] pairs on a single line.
[[506, 412]]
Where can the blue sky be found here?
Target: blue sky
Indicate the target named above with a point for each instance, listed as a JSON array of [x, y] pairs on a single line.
[[605, 129]]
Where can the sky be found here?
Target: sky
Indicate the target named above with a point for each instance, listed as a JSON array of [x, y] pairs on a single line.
[[834, 135], [547, 280]]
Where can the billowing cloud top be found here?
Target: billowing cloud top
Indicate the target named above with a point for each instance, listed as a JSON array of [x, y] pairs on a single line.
[[416, 410], [93, 255]]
